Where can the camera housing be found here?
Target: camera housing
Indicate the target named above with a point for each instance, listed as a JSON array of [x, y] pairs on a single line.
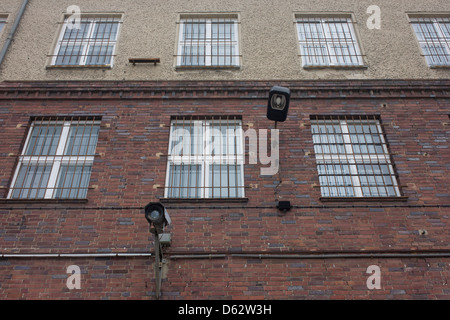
[[157, 217]]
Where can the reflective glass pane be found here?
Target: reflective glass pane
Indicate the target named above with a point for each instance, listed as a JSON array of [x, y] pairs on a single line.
[[44, 139]]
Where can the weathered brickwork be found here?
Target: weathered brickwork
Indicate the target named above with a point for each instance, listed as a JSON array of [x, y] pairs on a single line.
[[228, 278], [129, 171]]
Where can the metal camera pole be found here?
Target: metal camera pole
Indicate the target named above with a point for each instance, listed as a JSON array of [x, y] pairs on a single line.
[[158, 265]]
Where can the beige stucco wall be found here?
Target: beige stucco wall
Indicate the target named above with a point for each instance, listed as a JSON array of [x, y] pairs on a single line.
[[268, 37]]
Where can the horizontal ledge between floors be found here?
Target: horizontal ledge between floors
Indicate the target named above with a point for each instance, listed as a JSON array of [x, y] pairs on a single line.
[[72, 255], [176, 256]]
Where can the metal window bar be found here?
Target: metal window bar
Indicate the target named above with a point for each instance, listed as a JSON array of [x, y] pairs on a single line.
[[205, 158], [328, 42], [92, 44], [433, 35], [352, 157], [56, 159], [208, 42]]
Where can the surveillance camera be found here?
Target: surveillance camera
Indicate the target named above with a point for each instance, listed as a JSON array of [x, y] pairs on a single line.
[[156, 215], [278, 105]]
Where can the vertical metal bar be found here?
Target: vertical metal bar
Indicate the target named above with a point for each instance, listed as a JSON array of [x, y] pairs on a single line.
[[226, 155], [354, 43], [236, 155], [174, 124], [28, 165], [45, 165], [188, 185], [79, 154], [181, 166], [79, 54], [61, 159]]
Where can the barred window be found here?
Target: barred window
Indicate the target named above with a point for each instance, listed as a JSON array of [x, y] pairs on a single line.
[[433, 35], [208, 42], [57, 159], [205, 158], [328, 42], [88, 42], [352, 157]]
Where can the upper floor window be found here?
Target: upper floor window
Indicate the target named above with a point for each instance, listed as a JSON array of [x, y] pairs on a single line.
[[328, 41], [352, 157], [208, 42], [433, 35], [206, 158], [89, 42], [57, 159]]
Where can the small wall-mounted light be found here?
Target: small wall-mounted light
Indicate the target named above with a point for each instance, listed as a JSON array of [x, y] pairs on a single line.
[[278, 104], [284, 206]]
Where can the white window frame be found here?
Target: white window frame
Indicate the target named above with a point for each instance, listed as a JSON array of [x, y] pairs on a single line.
[[208, 42], [353, 159], [86, 43], [331, 58], [441, 39], [54, 160], [205, 159]]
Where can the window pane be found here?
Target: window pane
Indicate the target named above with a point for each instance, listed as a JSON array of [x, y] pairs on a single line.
[[345, 54], [224, 181], [311, 31], [194, 30], [82, 140], [224, 138], [222, 31], [100, 55], [2, 23], [223, 55], [77, 32], [69, 54], [315, 54], [31, 181], [184, 181], [436, 54], [339, 31], [193, 55], [105, 30], [44, 139], [186, 138], [73, 181], [445, 27], [425, 31]]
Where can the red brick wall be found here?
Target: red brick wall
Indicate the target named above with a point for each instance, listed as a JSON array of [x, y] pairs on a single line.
[[128, 173]]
